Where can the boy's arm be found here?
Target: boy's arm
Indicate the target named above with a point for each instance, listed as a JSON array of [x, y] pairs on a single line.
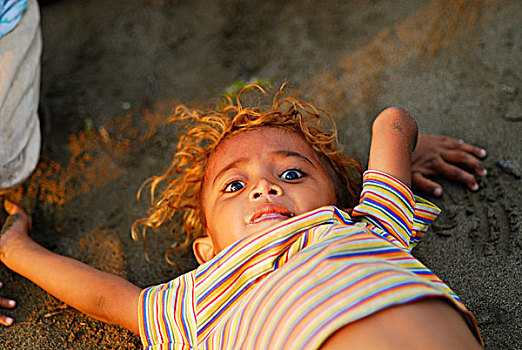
[[104, 296], [394, 135]]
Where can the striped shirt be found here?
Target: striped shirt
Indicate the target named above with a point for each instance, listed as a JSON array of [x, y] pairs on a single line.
[[10, 14], [296, 283]]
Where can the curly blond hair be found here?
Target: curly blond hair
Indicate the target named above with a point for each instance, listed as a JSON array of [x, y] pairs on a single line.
[[178, 190]]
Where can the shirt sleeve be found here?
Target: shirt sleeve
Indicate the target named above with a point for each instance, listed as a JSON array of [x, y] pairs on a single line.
[[390, 208], [166, 315]]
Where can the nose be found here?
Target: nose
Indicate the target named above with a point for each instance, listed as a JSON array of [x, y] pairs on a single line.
[[265, 188]]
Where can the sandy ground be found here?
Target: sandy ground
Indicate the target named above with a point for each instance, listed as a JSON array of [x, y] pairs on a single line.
[[112, 70]]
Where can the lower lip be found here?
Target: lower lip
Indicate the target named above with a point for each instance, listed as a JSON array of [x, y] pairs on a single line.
[[273, 216]]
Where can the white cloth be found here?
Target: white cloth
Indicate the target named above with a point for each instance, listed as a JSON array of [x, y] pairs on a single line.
[[20, 53]]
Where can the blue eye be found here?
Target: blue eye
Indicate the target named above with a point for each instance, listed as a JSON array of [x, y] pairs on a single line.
[[292, 174], [234, 186]]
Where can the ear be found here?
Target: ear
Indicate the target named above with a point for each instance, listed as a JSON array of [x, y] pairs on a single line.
[[203, 249]]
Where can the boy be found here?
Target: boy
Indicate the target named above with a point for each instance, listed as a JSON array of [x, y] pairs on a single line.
[[281, 267]]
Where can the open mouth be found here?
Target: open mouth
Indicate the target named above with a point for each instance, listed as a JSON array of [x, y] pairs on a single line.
[[270, 212]]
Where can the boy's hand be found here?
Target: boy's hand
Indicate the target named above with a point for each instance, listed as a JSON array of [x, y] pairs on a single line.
[[8, 304], [17, 225], [437, 155]]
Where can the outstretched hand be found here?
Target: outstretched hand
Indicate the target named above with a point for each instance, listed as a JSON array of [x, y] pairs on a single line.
[[17, 223], [444, 156]]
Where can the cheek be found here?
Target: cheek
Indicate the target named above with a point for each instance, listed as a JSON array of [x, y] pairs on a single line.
[[332, 197], [314, 197], [224, 224], [329, 190], [327, 193]]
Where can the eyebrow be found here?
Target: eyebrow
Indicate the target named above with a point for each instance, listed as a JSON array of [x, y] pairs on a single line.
[[287, 153], [284, 153], [228, 167]]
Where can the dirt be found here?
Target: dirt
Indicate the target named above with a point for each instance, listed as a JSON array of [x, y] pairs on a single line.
[[112, 71]]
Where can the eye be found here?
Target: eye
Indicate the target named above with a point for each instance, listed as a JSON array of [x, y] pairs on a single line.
[[292, 174], [234, 186]]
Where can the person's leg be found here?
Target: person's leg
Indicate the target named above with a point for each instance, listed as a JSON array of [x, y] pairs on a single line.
[[20, 53]]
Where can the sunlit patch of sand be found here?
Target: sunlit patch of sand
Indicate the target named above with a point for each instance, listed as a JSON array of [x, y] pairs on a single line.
[[96, 158], [102, 249], [355, 80]]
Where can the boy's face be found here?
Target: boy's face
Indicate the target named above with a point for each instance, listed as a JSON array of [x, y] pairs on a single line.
[[256, 179]]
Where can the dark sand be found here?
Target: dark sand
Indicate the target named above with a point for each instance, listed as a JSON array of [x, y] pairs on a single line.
[[113, 69]]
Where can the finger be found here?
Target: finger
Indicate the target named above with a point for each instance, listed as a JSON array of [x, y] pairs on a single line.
[[464, 158], [12, 208], [15, 210], [7, 303], [455, 173], [6, 321], [476, 151], [451, 143], [425, 185]]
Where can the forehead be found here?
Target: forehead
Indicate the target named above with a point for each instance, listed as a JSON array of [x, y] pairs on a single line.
[[261, 141]]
